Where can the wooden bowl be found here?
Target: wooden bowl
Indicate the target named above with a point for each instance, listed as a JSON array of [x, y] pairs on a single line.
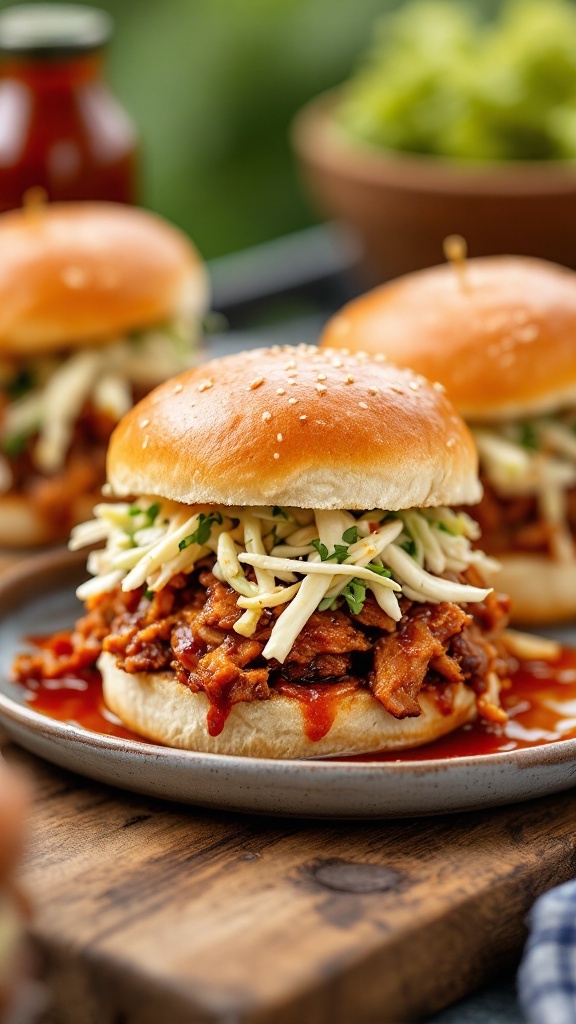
[[402, 206]]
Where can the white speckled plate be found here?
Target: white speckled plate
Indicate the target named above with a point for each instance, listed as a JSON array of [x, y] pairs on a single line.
[[38, 597]]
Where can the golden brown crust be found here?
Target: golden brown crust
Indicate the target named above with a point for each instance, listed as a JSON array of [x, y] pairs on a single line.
[[75, 273], [543, 591], [156, 706], [296, 427], [500, 336]]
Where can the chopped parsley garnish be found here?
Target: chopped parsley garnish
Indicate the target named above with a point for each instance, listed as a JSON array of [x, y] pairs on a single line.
[[339, 554], [277, 511], [202, 534], [149, 513], [528, 437], [441, 526], [355, 595], [409, 546], [149, 594], [350, 536], [381, 570]]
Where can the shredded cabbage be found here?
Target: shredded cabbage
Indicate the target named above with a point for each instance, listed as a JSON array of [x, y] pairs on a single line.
[[535, 457], [301, 558], [105, 374]]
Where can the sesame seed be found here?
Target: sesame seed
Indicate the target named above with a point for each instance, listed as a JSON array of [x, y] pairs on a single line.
[[293, 382], [438, 386], [379, 357], [266, 416], [178, 388], [293, 373], [321, 377], [414, 385], [349, 379], [280, 391], [279, 437], [74, 277], [528, 333], [204, 385], [290, 365], [255, 383], [292, 401], [396, 389], [321, 388], [144, 423], [337, 364], [276, 455], [304, 417], [362, 405], [372, 391], [450, 442], [145, 442]]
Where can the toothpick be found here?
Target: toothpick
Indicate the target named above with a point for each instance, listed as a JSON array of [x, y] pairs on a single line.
[[456, 252]]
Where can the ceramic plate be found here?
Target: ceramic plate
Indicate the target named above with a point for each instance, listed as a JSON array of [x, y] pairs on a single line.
[[38, 597]]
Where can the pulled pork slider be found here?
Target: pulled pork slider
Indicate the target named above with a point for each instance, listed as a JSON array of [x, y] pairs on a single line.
[[500, 334], [11, 918], [98, 304], [290, 580]]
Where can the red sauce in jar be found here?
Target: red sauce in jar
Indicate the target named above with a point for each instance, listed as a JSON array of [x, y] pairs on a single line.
[[61, 127], [541, 705]]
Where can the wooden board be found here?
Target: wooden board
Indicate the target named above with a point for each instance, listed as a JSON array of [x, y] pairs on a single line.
[[147, 912]]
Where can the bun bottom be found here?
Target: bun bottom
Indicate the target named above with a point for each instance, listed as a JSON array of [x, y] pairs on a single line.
[[542, 591], [156, 706]]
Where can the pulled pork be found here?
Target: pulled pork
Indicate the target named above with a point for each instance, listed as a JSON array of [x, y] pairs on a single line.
[[515, 524], [188, 628]]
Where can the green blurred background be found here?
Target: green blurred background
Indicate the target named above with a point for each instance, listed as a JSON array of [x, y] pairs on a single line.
[[212, 86]]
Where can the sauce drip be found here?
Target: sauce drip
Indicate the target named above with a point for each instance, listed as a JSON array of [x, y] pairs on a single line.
[[319, 704], [541, 705]]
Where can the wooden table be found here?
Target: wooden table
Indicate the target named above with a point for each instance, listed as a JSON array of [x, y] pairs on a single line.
[[149, 913]]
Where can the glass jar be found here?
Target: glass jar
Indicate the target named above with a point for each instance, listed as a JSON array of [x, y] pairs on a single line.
[[61, 127]]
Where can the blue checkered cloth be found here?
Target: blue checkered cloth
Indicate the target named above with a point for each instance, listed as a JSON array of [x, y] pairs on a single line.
[[547, 975]]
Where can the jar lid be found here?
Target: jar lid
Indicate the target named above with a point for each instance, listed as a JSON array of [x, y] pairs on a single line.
[[53, 30]]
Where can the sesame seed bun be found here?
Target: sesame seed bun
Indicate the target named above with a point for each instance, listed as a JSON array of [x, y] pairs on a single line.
[[499, 333], [158, 707], [296, 427], [72, 274]]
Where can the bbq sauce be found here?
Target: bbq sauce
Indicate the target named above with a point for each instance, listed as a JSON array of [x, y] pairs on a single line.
[[78, 700], [541, 705]]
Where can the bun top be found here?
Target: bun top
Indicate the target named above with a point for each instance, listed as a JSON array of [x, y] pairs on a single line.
[[297, 427], [72, 274], [499, 332]]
